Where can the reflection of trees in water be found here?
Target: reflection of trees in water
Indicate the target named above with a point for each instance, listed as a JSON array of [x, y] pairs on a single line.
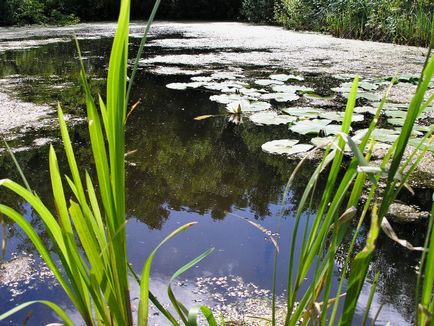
[[207, 166], [50, 73]]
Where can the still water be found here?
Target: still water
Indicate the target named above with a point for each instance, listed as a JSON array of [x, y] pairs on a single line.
[[210, 171]]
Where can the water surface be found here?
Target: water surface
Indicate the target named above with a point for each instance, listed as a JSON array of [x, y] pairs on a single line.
[[182, 170]]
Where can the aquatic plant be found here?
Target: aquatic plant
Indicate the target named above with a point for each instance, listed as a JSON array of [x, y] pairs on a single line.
[[94, 272], [407, 22]]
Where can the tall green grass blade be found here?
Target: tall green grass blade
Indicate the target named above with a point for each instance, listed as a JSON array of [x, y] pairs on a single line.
[[401, 142], [59, 311], [142, 317], [358, 271], [194, 313], [180, 271], [141, 46], [428, 281], [17, 165], [45, 255], [370, 299], [154, 299]]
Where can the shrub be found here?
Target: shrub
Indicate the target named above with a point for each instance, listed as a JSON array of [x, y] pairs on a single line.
[[258, 11]]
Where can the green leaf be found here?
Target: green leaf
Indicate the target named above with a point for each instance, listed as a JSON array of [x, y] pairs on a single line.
[[180, 271], [359, 268], [142, 317], [194, 313], [59, 311]]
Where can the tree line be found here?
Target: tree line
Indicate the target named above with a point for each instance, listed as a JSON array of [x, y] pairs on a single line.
[[61, 12], [399, 21]]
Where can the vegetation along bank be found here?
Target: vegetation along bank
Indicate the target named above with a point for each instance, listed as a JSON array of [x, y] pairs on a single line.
[[398, 21]]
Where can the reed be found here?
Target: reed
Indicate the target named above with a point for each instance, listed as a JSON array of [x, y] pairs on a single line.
[[94, 271]]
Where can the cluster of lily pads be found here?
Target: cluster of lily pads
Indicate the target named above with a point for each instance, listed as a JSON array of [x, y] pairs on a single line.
[[273, 101]]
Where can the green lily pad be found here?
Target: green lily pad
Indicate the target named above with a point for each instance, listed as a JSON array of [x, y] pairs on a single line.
[[380, 134], [313, 95], [339, 116], [415, 142], [365, 109], [285, 146], [271, 118], [303, 113], [332, 129], [396, 114], [280, 146], [423, 128], [368, 96], [280, 97], [414, 79], [225, 75], [247, 106], [268, 82], [183, 86], [227, 98], [391, 106], [364, 88], [201, 79], [396, 121], [251, 92], [306, 127], [177, 86], [284, 77], [322, 141], [291, 89], [368, 86], [219, 86]]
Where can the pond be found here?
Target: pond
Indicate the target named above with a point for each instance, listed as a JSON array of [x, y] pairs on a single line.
[[213, 171]]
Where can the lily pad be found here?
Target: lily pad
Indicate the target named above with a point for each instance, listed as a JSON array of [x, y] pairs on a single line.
[[280, 97], [396, 114], [285, 146], [313, 95], [280, 146], [247, 106], [414, 79], [271, 118], [303, 113], [268, 82], [415, 142], [184, 86], [396, 121], [339, 116], [381, 134], [332, 129], [251, 92], [363, 85], [177, 86], [201, 79], [322, 141], [219, 86], [306, 127], [368, 86], [291, 88], [367, 96], [365, 109], [225, 75], [284, 77], [227, 98]]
